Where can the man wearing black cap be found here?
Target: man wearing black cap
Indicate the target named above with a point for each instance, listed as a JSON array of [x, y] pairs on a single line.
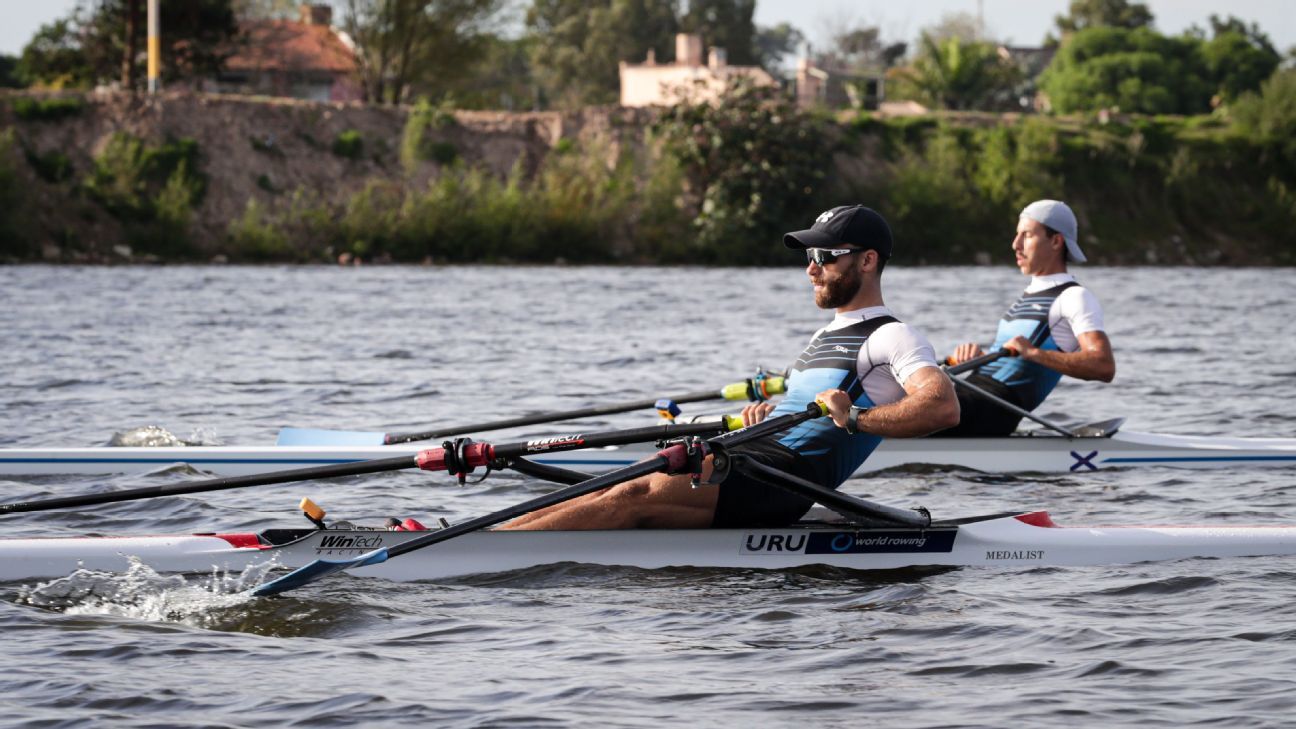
[[878, 377]]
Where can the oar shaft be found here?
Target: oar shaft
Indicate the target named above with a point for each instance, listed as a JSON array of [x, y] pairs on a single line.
[[481, 454], [1013, 408], [545, 418], [218, 484], [665, 460]]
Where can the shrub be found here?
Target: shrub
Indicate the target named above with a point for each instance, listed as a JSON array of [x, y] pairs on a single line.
[[254, 237], [443, 153], [128, 175], [348, 144], [419, 141], [14, 240], [52, 166], [45, 110], [1270, 116]]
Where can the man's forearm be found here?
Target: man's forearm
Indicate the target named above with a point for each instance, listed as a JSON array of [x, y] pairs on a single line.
[[932, 408], [1083, 365]]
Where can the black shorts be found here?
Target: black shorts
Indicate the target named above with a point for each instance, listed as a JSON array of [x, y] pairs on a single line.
[[746, 502], [979, 415]]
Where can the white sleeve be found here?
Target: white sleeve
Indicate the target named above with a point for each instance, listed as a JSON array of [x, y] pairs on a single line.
[[904, 348], [1080, 308]]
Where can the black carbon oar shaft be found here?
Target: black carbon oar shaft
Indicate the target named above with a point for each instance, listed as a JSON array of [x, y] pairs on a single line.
[[541, 418], [219, 484]]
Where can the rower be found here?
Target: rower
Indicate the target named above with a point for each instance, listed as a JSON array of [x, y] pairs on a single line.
[[877, 377], [1055, 328]]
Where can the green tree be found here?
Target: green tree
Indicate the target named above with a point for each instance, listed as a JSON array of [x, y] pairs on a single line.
[[1238, 57], [775, 43], [92, 44], [861, 48], [725, 24], [959, 74], [1269, 116], [1134, 70], [53, 57], [407, 46], [755, 167], [9, 78], [576, 46], [502, 78], [1103, 14]]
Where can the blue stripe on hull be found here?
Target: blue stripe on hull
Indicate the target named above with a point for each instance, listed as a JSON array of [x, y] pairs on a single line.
[[1198, 459]]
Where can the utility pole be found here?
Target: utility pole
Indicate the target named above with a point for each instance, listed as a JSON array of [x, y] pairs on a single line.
[[154, 46]]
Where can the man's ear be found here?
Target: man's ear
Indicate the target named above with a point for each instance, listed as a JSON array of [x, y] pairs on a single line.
[[867, 263]]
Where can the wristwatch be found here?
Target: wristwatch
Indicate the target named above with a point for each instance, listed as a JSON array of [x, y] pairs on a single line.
[[852, 419]]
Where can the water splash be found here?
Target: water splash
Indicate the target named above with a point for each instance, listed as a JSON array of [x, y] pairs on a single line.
[[141, 592]]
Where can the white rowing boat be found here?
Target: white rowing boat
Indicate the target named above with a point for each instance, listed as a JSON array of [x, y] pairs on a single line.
[[1025, 539], [1038, 451]]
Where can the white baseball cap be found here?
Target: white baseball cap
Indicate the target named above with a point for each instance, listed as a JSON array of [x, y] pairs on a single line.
[[1056, 215]]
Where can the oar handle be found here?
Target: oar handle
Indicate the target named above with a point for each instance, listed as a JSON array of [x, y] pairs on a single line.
[[976, 362], [756, 389], [773, 425]]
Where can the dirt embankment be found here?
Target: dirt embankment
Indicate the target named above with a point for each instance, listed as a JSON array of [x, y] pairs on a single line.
[[264, 149]]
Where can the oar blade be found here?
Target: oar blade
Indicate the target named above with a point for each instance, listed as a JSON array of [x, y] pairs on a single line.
[[316, 570], [320, 437]]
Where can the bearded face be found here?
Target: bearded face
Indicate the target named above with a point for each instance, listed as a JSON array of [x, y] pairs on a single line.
[[836, 284]]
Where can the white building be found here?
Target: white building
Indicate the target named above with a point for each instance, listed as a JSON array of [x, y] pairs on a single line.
[[653, 84]]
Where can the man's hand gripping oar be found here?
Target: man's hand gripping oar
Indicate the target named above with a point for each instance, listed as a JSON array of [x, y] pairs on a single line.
[[683, 457]]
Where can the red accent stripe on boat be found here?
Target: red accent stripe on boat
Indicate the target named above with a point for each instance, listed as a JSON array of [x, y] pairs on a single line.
[[242, 541], [1036, 518]]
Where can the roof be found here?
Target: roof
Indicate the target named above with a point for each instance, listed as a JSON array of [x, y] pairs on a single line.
[[287, 45]]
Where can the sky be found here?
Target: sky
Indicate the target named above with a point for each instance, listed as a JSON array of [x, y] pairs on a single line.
[[1020, 22]]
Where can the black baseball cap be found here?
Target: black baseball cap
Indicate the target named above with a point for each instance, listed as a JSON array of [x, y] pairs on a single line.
[[845, 226]]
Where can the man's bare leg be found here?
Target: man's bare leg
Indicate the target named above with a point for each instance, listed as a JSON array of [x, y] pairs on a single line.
[[653, 502]]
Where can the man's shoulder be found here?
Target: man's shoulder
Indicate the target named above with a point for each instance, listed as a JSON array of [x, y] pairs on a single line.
[[899, 336]]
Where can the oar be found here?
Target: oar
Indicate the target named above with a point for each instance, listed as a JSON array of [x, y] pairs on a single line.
[[757, 389], [324, 567], [460, 459], [671, 459], [1013, 408], [986, 359]]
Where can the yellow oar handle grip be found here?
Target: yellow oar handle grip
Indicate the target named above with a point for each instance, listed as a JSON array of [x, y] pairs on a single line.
[[733, 422], [756, 389], [823, 408]]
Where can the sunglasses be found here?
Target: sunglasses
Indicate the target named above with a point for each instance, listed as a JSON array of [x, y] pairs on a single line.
[[824, 256]]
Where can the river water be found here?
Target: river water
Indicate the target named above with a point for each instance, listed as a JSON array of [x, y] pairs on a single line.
[[229, 355]]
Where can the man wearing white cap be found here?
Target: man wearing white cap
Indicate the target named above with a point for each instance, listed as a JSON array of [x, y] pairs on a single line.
[[1056, 328]]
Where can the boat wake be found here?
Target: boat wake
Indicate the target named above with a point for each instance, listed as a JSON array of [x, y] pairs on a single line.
[[142, 593]]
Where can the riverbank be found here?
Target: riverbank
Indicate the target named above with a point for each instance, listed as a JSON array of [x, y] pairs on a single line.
[[183, 177]]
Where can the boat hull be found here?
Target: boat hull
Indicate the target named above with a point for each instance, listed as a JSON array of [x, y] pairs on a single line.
[[1023, 540], [1025, 453]]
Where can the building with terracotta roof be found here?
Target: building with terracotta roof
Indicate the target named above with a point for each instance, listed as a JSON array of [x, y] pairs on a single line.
[[653, 84], [304, 59]]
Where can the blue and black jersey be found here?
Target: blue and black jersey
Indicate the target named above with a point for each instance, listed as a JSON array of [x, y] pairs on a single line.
[[1028, 317], [830, 361]]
